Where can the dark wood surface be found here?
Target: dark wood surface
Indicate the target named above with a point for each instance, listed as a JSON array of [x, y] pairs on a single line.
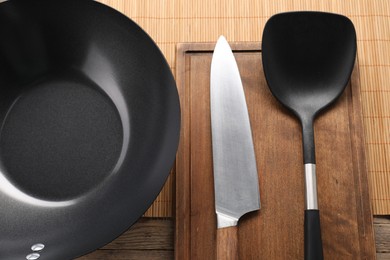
[[152, 239], [276, 231], [382, 237], [148, 239]]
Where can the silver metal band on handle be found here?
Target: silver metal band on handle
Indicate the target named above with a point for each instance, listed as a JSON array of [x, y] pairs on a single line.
[[310, 187]]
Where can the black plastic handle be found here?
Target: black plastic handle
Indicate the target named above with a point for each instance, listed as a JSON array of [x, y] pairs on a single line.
[[308, 140], [313, 241]]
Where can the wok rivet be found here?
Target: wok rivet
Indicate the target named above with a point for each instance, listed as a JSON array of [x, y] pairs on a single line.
[[33, 256], [37, 247]]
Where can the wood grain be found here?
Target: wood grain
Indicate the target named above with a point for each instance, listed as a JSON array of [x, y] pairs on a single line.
[[124, 254], [382, 234], [163, 251], [227, 243], [149, 238], [276, 231]]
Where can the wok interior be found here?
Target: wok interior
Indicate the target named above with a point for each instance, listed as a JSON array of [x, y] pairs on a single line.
[[60, 138], [308, 58], [61, 132], [90, 126], [68, 86]]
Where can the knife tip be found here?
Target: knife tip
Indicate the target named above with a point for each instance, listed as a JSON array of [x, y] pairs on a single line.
[[222, 44], [222, 39]]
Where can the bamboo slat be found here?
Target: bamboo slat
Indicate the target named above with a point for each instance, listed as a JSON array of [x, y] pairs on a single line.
[[169, 22]]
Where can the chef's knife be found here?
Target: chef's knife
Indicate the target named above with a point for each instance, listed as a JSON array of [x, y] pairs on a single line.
[[236, 184]]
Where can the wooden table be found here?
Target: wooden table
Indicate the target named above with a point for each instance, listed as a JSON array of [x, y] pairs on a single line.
[[152, 238]]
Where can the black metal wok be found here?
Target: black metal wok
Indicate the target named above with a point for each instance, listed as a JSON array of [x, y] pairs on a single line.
[[90, 120]]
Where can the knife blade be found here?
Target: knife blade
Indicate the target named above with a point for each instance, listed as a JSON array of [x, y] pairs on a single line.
[[236, 185]]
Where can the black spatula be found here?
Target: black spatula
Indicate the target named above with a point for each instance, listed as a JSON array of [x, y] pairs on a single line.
[[308, 58]]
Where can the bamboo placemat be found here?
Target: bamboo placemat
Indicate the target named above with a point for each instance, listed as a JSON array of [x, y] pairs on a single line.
[[169, 22]]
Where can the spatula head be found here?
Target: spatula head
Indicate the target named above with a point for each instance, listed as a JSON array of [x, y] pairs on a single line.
[[308, 58]]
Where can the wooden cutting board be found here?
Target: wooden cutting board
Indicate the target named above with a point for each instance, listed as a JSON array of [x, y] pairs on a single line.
[[276, 231]]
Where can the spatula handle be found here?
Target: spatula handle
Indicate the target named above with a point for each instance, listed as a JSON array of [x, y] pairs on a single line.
[[313, 241], [309, 154], [227, 243]]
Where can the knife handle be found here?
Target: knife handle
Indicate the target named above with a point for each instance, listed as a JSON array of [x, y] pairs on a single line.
[[313, 241], [227, 243]]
